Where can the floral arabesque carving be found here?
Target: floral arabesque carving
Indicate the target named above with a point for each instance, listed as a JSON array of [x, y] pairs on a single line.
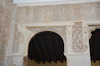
[[61, 30], [93, 28], [78, 45]]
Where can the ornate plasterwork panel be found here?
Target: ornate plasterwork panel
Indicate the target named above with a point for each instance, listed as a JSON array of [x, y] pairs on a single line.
[[78, 44], [74, 35], [29, 30], [61, 30], [93, 28]]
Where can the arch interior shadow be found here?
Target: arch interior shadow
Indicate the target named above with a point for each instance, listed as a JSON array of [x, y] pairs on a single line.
[[95, 45], [46, 46]]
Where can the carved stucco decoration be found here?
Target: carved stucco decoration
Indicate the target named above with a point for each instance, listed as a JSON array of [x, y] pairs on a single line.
[[93, 28], [61, 30], [75, 35], [29, 32], [78, 45]]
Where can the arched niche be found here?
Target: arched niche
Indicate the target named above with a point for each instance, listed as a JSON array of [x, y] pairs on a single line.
[[33, 31], [30, 32], [94, 45], [46, 46]]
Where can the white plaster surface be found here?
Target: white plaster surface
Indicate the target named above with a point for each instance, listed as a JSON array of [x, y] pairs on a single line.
[[18, 60], [78, 60]]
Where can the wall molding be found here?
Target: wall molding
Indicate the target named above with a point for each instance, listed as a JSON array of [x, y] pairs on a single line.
[[49, 2], [62, 23]]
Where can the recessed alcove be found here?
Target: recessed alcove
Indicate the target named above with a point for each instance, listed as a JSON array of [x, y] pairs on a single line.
[[46, 47], [95, 47]]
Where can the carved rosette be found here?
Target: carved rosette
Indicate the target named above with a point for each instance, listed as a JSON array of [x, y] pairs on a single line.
[[78, 45]]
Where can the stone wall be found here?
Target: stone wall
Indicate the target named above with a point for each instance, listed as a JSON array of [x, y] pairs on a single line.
[[54, 13], [5, 21], [30, 14], [64, 12]]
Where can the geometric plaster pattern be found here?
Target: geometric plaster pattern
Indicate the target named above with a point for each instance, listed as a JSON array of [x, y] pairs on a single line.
[[78, 45]]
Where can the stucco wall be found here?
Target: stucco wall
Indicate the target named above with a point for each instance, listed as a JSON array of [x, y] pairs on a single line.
[[85, 11], [51, 13], [5, 21], [67, 12]]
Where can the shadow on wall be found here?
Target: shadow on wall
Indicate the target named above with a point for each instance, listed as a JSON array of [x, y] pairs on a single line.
[[33, 63]]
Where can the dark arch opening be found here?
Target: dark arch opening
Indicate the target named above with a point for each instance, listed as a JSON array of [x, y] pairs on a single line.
[[46, 46], [95, 45]]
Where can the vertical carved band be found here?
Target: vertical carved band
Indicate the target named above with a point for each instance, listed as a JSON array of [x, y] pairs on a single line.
[[78, 45]]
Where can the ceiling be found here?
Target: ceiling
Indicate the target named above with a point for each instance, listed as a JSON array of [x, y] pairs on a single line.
[[46, 47]]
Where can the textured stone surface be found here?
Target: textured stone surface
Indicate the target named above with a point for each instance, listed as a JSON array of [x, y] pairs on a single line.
[[16, 40], [97, 8], [74, 36], [5, 19], [78, 44], [61, 30], [92, 29], [65, 12], [77, 37], [68, 12]]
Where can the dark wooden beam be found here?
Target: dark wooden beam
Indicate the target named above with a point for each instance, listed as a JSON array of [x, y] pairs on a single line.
[[47, 46], [60, 52], [61, 46], [43, 49], [50, 49], [38, 50], [33, 55]]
